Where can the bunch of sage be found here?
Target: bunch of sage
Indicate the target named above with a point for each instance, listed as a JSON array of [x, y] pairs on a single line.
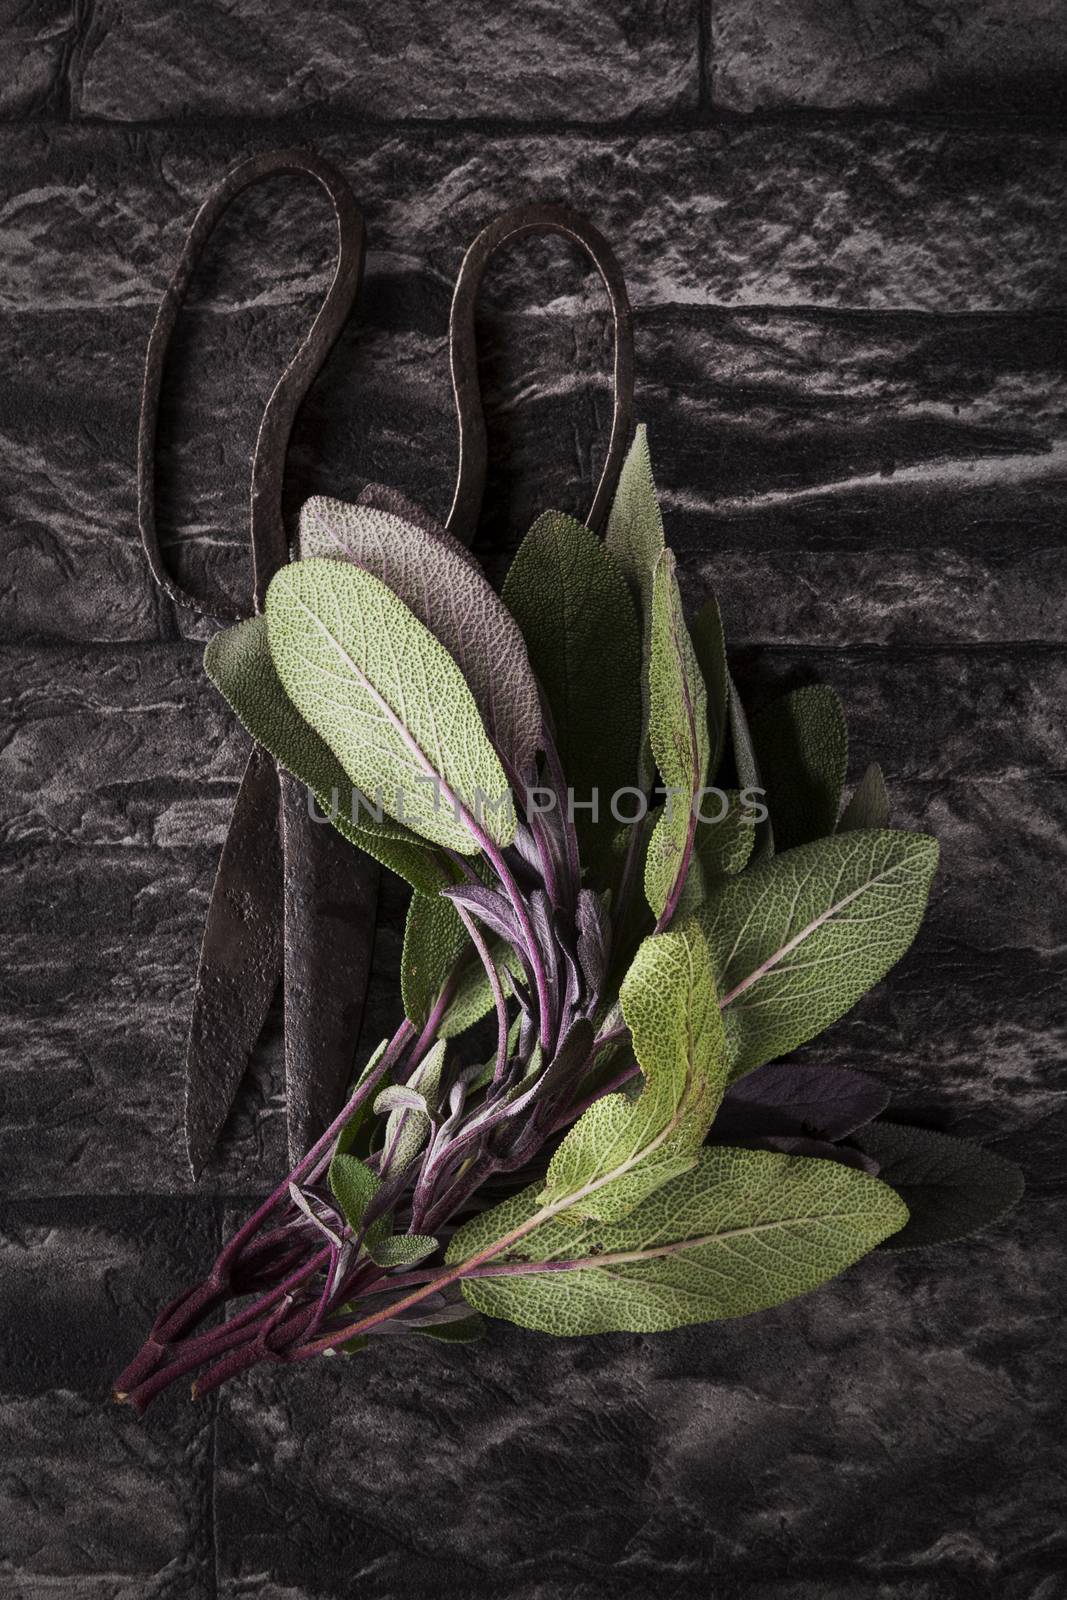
[[628, 901]]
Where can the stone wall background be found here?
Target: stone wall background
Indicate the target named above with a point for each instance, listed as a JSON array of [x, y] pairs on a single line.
[[842, 224]]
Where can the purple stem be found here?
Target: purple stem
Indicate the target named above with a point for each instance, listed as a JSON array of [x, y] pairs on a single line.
[[325, 1142], [545, 855], [514, 894], [494, 986], [559, 784], [433, 1021], [190, 1308]]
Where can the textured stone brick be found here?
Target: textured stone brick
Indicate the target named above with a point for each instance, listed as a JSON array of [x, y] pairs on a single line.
[[610, 1466], [102, 945], [871, 215], [135, 749], [851, 479], [101, 948], [93, 1506], [112, 747], [597, 62], [851, 358], [39, 41], [994, 55]]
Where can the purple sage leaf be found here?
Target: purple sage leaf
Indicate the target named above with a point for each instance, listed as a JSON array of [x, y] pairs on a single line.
[[450, 597], [794, 1098]]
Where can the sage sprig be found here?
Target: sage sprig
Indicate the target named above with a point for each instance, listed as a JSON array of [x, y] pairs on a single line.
[[629, 900]]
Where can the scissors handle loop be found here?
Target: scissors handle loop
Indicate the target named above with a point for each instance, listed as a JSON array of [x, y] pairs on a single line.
[[269, 547], [519, 223]]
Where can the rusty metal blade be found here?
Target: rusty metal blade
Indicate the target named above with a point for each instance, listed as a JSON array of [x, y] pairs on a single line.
[[240, 958], [331, 895]]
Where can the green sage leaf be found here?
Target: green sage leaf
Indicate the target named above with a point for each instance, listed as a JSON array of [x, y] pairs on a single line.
[[749, 779], [740, 1231], [354, 1186], [352, 1136], [434, 941], [411, 1109], [439, 582], [473, 998], [798, 939], [389, 701], [578, 620], [801, 744], [869, 806], [402, 1250], [952, 1187], [634, 536], [238, 662], [678, 729], [721, 849], [623, 1148], [709, 643]]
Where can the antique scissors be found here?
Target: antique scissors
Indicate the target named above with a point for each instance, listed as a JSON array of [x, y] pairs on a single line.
[[291, 899]]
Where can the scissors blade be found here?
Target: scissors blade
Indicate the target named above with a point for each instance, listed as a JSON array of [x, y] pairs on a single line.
[[331, 895], [240, 958]]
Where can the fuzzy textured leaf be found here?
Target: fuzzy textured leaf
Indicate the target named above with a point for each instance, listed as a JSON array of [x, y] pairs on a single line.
[[709, 643], [952, 1187], [473, 998], [388, 699], [349, 1139], [801, 744], [749, 779], [434, 941], [634, 536], [721, 849], [438, 581], [742, 1230], [678, 729], [578, 620], [354, 1186], [869, 805], [786, 1098], [411, 1111], [622, 1148], [239, 664], [797, 940], [402, 1249]]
